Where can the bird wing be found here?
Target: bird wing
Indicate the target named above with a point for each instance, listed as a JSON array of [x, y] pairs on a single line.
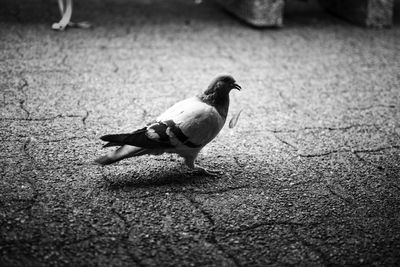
[[191, 123], [196, 120]]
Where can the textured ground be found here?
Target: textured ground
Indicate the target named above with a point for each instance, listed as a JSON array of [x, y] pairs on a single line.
[[311, 170]]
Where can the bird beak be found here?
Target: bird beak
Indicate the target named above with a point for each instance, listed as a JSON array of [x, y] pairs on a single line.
[[237, 86]]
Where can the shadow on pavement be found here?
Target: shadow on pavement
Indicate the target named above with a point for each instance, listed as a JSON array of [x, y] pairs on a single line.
[[135, 180]]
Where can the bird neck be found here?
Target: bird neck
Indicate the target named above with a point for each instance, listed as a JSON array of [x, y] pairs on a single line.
[[219, 102]]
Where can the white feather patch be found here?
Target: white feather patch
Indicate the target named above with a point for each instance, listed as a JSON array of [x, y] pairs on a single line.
[[151, 133], [174, 141]]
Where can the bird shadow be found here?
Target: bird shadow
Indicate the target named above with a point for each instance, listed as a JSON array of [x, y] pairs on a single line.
[[166, 179]]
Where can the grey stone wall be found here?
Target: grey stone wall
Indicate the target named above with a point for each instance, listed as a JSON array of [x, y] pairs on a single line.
[[262, 13], [256, 12], [370, 13]]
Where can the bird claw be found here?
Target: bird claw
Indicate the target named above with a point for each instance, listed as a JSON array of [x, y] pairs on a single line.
[[202, 170]]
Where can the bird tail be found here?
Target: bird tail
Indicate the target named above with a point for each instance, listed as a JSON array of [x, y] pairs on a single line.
[[138, 138], [120, 139], [123, 152]]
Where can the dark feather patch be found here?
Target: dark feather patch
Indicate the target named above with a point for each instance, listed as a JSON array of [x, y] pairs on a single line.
[[179, 134], [161, 130], [152, 136], [137, 138]]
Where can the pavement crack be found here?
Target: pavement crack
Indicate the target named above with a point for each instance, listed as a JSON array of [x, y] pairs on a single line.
[[84, 118], [371, 150], [125, 238], [116, 68], [290, 104], [115, 185], [372, 107], [42, 119], [66, 139], [78, 240], [269, 223], [324, 258], [22, 102], [241, 165], [31, 181], [334, 192], [378, 149], [378, 167], [63, 60], [212, 233], [199, 207], [222, 190], [329, 128], [285, 142], [23, 107], [123, 220], [323, 154]]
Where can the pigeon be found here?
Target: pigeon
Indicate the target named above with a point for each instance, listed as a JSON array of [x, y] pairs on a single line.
[[183, 129]]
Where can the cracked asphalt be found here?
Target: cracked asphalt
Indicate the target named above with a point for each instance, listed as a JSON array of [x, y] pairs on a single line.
[[311, 171]]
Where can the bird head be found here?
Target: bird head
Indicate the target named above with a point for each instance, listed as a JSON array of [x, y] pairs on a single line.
[[217, 93], [221, 86]]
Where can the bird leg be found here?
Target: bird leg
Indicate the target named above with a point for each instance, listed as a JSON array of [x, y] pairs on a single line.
[[189, 161]]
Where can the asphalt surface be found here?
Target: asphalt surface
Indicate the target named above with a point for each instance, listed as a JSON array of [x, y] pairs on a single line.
[[311, 171]]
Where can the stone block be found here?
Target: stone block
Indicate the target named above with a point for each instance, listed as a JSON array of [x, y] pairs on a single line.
[[260, 13], [370, 13]]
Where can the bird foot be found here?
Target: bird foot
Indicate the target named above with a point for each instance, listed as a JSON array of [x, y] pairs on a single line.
[[209, 172]]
